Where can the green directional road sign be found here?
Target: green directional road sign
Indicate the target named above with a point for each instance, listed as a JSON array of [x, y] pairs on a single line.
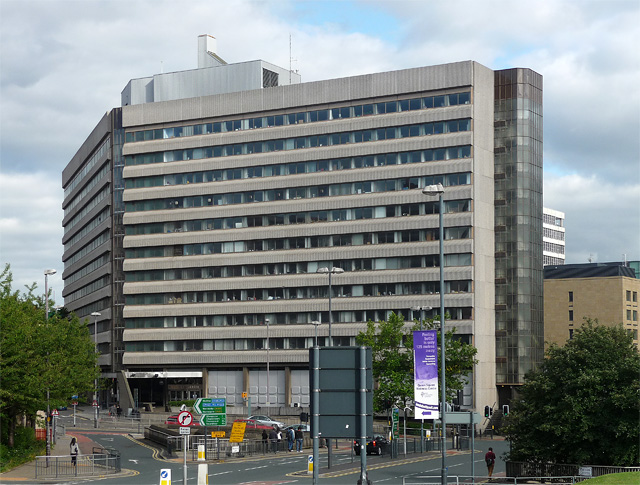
[[213, 410], [213, 420], [395, 422]]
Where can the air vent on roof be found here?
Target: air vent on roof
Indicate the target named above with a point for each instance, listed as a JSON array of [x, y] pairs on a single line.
[[269, 78]]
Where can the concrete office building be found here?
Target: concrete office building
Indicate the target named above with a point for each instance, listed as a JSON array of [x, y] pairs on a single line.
[[553, 237], [607, 292], [228, 188]]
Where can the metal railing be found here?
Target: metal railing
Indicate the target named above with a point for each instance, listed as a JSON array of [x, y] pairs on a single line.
[[85, 465], [468, 480]]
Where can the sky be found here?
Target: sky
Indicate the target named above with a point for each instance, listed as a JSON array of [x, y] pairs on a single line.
[[63, 65]]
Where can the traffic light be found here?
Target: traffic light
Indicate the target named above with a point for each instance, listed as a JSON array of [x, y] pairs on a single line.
[[304, 417], [505, 409], [488, 411]]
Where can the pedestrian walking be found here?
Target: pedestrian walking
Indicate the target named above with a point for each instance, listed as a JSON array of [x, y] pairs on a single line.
[[273, 438], [490, 459], [299, 439], [291, 438], [265, 440], [73, 451]]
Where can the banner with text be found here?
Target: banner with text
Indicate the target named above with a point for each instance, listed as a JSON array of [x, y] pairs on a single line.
[[425, 352]]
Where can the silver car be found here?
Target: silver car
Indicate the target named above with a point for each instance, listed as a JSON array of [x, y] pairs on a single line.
[[267, 421]]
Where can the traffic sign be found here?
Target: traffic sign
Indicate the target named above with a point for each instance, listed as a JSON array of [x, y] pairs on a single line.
[[217, 434], [213, 420], [237, 432], [95, 404], [185, 430], [185, 418], [210, 405], [74, 403], [55, 413]]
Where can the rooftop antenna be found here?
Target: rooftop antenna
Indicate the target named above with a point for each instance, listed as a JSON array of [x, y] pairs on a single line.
[[291, 59], [590, 258]]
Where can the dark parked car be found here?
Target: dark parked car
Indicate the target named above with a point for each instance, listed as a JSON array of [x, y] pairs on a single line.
[[374, 446]]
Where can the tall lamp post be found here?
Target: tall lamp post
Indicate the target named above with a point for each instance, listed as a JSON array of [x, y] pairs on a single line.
[[315, 323], [330, 272], [267, 322], [95, 316], [431, 191], [421, 309], [47, 273]]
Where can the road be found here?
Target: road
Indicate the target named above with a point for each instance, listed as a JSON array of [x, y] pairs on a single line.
[[143, 464]]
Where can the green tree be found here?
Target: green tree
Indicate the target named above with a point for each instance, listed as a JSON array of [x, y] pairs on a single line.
[[37, 355], [581, 406], [391, 342]]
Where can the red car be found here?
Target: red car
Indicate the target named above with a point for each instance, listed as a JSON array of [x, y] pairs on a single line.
[[174, 420]]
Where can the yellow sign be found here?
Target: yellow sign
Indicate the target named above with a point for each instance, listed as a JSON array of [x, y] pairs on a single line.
[[237, 432], [244, 395], [217, 434]]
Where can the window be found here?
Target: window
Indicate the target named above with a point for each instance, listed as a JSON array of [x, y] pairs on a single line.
[[628, 314], [571, 315], [628, 295], [635, 315], [635, 296], [570, 333], [571, 297]]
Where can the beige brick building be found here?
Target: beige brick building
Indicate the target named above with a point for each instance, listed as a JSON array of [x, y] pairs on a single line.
[[607, 292]]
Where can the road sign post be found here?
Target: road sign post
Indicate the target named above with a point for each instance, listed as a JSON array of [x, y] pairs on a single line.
[[213, 411]]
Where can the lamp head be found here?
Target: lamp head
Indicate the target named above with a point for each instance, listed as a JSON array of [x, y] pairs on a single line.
[[96, 314], [335, 270], [432, 190], [49, 272], [315, 322]]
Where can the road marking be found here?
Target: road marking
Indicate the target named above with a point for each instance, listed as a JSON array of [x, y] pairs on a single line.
[[255, 468], [135, 461]]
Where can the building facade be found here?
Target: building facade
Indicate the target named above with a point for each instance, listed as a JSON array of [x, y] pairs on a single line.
[[553, 237], [607, 292], [238, 190]]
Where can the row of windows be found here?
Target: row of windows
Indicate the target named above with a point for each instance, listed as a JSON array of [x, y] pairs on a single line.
[[89, 268], [93, 244], [629, 295], [313, 292], [323, 241], [314, 116], [294, 193], [553, 234], [632, 315], [100, 196], [79, 198], [86, 168], [250, 319], [450, 206], [553, 248], [379, 160], [275, 343], [88, 289], [91, 225], [362, 136], [553, 220], [296, 293], [552, 260]]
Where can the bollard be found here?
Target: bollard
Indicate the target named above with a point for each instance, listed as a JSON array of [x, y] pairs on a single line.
[[201, 453], [203, 473]]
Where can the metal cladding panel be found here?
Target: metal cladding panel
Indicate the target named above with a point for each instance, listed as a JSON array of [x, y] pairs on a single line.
[[232, 358]]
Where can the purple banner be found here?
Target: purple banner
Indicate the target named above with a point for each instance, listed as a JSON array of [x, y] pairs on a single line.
[[425, 353]]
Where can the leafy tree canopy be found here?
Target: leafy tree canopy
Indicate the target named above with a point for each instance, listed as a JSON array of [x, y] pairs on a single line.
[[391, 342], [37, 354], [582, 405]]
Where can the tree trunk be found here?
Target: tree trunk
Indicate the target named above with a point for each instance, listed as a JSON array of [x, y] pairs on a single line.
[[12, 430]]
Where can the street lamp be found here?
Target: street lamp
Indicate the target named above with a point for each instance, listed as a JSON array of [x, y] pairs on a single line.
[[431, 191], [95, 383], [315, 323], [267, 322], [47, 273], [329, 272]]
